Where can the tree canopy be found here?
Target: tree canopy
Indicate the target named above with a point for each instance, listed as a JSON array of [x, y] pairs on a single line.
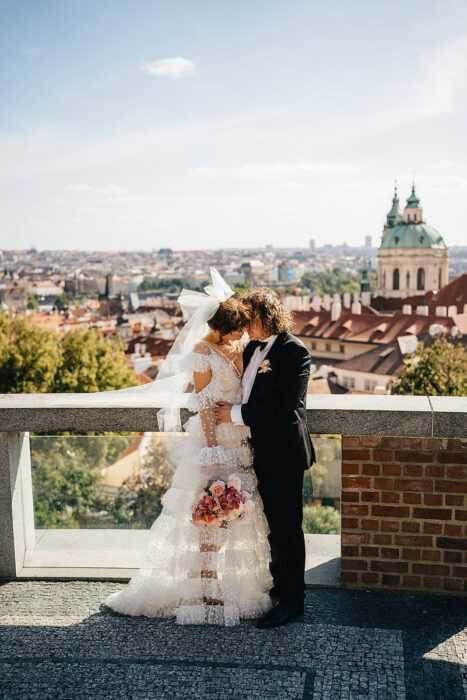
[[66, 469], [439, 369], [167, 285], [335, 281], [39, 360]]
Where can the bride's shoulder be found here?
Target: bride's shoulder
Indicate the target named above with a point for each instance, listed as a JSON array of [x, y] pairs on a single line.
[[198, 360], [202, 347]]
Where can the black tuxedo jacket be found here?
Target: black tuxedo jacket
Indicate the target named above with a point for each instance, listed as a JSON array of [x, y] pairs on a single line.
[[276, 409]]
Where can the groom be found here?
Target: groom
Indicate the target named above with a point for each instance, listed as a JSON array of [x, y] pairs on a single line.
[[276, 371]]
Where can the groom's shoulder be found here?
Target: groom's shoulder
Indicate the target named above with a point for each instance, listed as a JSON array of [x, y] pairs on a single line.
[[295, 344]]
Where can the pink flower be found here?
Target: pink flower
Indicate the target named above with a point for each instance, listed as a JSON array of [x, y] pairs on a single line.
[[217, 488], [249, 506], [234, 482], [247, 496]]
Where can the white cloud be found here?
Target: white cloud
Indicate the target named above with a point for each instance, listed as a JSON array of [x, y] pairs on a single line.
[[129, 199], [106, 190], [445, 75], [175, 68], [79, 188], [451, 183], [441, 165], [439, 86], [277, 171]]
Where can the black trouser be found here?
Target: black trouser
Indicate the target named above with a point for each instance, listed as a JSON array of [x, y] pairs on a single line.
[[281, 492]]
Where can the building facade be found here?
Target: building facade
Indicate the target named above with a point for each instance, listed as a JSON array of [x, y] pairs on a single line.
[[413, 257]]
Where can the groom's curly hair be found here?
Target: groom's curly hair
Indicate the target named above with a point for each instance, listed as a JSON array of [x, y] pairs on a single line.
[[266, 305]]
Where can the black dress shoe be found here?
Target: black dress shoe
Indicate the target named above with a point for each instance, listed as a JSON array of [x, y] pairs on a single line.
[[274, 595], [279, 615]]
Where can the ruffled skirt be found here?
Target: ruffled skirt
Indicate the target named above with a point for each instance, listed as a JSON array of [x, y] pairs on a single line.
[[203, 575]]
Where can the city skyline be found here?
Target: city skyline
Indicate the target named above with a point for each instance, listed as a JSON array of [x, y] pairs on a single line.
[[225, 125]]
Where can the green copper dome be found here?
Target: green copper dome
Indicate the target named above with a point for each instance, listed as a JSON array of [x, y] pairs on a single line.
[[412, 236]]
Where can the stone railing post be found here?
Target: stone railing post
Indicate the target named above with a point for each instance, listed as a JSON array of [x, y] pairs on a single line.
[[16, 504]]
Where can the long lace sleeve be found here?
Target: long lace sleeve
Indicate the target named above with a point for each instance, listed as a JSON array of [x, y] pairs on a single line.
[[202, 376]]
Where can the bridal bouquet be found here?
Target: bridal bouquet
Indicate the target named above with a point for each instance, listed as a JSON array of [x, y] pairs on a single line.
[[219, 503]]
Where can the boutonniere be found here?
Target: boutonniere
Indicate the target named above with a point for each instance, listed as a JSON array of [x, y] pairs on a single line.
[[264, 367]]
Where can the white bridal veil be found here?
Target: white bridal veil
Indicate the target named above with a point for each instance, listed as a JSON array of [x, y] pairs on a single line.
[[169, 387]]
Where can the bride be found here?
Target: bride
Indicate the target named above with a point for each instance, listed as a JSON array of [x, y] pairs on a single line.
[[204, 575]]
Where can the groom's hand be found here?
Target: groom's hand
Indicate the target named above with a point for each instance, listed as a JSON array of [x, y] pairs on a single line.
[[222, 412]]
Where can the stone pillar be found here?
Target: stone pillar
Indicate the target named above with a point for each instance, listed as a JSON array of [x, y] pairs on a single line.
[[16, 504], [404, 516]]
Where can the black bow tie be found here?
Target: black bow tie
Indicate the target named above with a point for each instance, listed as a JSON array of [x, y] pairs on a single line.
[[261, 344]]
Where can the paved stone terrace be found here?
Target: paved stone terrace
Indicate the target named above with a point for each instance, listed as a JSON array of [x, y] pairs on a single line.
[[58, 641]]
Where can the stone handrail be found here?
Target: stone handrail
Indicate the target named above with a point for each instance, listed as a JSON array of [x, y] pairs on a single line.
[[417, 416], [404, 417]]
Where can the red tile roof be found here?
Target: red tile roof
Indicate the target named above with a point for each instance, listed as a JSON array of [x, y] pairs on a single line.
[[157, 347], [364, 328], [453, 294]]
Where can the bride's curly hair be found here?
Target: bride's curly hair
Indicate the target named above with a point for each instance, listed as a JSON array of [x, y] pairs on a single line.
[[232, 315], [266, 305]]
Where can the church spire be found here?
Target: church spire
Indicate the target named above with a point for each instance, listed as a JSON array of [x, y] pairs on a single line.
[[413, 211], [413, 201], [394, 215]]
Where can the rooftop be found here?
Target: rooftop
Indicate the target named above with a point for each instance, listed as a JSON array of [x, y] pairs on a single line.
[[364, 327], [412, 236]]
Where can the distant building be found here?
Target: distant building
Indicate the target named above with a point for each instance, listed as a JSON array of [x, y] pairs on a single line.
[[368, 242], [14, 296], [312, 246], [412, 257], [110, 304]]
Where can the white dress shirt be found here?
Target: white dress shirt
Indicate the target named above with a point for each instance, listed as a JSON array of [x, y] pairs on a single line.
[[249, 377]]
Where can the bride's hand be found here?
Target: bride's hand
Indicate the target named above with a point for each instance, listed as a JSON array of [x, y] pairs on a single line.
[[222, 411]]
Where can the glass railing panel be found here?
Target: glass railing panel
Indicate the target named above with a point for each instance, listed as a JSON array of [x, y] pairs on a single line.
[[100, 481], [322, 488]]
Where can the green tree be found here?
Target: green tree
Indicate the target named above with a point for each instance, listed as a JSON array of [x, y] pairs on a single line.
[[174, 284], [66, 470], [62, 301], [90, 362], [323, 520], [335, 281], [37, 360], [67, 475], [139, 501], [29, 356], [32, 302], [241, 287], [439, 369]]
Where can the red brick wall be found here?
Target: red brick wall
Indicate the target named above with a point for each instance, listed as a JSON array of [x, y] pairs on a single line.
[[404, 513]]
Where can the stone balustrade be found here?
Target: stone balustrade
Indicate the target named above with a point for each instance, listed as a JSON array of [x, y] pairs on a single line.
[[403, 477]]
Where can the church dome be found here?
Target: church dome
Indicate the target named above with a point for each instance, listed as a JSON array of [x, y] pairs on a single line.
[[412, 235]]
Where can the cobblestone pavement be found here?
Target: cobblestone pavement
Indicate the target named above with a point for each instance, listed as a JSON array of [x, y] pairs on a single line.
[[58, 641]]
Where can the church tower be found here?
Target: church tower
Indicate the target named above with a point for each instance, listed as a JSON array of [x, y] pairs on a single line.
[[413, 257]]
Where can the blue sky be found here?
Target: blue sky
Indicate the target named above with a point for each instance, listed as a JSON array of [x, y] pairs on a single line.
[[208, 124]]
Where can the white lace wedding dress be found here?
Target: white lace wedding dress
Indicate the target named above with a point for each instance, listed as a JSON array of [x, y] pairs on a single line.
[[204, 575]]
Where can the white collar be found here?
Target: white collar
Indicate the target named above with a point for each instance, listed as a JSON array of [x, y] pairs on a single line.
[[269, 340]]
